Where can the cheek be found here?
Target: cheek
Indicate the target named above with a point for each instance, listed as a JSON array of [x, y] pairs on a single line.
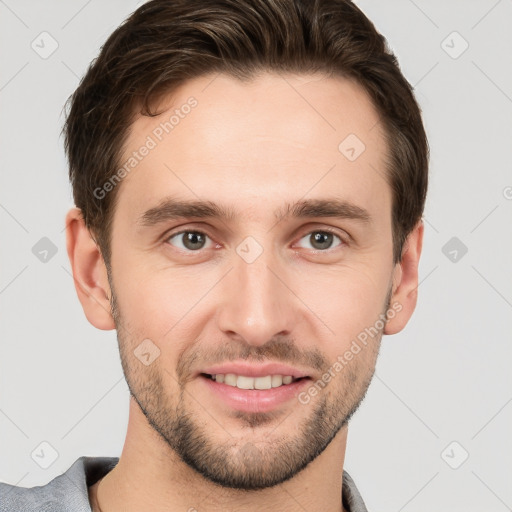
[[160, 304], [348, 299]]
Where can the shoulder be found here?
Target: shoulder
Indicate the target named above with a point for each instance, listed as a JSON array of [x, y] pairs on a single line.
[[352, 500], [68, 491]]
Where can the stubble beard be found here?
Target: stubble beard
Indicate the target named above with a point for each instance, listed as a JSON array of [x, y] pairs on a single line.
[[256, 461]]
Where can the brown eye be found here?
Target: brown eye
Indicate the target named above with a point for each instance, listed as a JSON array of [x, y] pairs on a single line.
[[320, 240], [188, 240]]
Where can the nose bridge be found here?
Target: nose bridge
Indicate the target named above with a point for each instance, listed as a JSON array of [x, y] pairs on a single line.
[[256, 305]]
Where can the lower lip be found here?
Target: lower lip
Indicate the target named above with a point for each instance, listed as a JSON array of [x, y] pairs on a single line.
[[255, 400]]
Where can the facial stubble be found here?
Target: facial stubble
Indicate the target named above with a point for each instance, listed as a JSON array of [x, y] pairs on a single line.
[[253, 461]]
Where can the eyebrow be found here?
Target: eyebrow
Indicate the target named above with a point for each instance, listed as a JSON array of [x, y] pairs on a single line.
[[172, 209]]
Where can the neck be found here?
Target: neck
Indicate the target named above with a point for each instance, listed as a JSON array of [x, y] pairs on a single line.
[[150, 476]]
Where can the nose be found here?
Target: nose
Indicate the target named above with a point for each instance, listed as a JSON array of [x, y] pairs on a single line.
[[256, 303]]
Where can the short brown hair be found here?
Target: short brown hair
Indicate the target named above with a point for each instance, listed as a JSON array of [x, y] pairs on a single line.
[[164, 43]]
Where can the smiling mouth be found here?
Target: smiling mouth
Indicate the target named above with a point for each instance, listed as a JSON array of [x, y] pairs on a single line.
[[258, 383]]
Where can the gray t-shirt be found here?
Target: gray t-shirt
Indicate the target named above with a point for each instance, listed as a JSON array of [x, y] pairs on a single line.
[[69, 492]]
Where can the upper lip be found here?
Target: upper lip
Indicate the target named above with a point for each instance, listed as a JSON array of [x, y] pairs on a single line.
[[251, 370]]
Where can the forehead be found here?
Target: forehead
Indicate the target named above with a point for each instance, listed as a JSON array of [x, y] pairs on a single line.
[[274, 137]]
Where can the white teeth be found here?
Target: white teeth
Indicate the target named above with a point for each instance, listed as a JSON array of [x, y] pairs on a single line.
[[277, 380], [263, 382], [245, 382], [229, 379]]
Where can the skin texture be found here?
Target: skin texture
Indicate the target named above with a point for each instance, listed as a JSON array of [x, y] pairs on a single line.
[[251, 147]]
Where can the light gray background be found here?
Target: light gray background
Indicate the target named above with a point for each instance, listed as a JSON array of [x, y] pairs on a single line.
[[445, 378]]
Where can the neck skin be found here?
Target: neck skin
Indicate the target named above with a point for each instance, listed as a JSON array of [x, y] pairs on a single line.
[[150, 476]]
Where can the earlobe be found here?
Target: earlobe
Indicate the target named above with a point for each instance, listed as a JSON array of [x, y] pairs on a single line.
[[405, 282], [89, 272]]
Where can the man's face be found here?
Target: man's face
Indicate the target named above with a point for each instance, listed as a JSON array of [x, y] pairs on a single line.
[[254, 288]]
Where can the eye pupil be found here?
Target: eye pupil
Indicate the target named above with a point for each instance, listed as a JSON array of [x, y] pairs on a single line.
[[191, 238], [320, 238]]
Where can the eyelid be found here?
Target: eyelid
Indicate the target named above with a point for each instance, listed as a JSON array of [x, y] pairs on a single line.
[[185, 228]]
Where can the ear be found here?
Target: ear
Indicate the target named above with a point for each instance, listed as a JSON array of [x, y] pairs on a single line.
[[405, 282], [89, 272]]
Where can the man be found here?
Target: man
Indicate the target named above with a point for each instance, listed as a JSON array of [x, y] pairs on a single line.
[[249, 178]]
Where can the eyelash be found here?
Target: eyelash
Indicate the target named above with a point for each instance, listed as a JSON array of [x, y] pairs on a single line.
[[343, 240]]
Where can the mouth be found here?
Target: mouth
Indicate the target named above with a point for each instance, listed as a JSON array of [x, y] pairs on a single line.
[[253, 394], [245, 386]]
